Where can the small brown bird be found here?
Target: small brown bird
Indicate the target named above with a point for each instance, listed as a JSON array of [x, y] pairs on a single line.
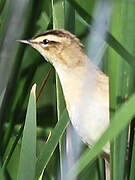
[[85, 87]]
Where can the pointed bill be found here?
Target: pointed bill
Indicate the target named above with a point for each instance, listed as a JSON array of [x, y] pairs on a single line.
[[24, 41]]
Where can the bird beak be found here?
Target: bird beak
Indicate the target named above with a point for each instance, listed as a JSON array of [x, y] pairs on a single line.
[[28, 41]]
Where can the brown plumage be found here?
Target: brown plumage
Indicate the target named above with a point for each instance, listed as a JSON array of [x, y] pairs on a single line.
[[85, 87]]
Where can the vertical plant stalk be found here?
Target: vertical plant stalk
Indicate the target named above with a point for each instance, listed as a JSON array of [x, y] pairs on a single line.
[[11, 82], [121, 82], [58, 12], [2, 3]]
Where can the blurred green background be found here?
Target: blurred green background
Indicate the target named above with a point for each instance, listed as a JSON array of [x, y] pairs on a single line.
[[21, 67]]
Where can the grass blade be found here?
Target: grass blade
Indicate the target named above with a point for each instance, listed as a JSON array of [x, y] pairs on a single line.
[[28, 149], [51, 144], [132, 166], [1, 174]]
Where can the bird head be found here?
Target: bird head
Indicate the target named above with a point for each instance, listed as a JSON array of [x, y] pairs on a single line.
[[58, 47]]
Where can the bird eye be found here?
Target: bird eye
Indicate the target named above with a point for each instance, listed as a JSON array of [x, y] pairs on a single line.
[[45, 41]]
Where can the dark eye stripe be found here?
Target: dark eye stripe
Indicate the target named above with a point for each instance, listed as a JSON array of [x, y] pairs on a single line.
[[46, 41], [54, 42]]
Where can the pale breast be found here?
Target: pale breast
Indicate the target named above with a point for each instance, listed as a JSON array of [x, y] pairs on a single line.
[[86, 92]]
